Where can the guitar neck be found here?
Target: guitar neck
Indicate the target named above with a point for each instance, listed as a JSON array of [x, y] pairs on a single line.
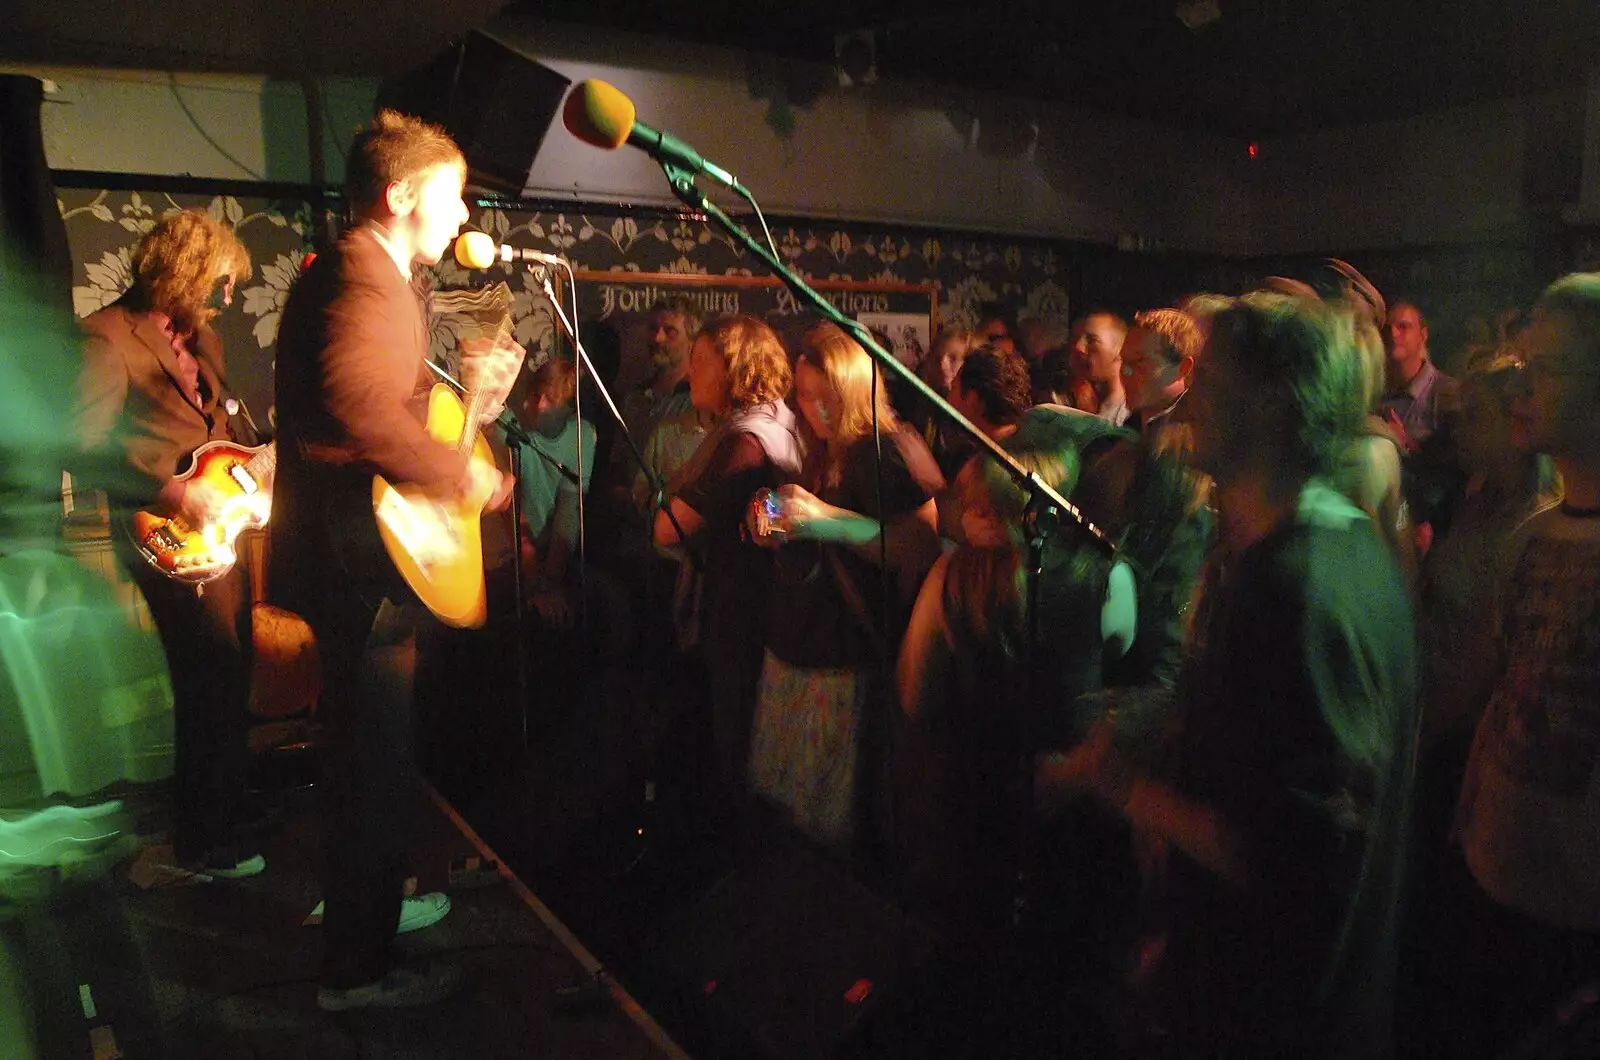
[[476, 399], [263, 464]]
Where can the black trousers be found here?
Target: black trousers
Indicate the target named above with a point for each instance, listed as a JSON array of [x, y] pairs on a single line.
[[369, 783], [206, 634]]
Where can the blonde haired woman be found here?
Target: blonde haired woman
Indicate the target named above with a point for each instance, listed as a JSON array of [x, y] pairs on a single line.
[[825, 625]]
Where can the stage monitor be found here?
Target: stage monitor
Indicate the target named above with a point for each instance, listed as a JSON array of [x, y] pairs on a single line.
[[497, 102]]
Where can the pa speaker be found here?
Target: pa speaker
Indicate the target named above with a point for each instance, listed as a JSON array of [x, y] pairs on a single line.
[[790, 959], [495, 101]]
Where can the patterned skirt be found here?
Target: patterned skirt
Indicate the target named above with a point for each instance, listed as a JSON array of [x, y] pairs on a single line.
[[803, 747]]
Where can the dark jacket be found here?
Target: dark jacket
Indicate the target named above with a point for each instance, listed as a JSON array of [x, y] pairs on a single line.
[[132, 423], [350, 369]]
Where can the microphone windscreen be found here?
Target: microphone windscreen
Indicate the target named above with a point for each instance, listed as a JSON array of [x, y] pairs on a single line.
[[476, 250], [598, 114]]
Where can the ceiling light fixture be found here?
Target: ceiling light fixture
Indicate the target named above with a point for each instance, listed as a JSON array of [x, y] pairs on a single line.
[[855, 57]]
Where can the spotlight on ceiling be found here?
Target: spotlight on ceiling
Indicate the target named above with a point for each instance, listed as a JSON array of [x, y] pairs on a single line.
[[1198, 14]]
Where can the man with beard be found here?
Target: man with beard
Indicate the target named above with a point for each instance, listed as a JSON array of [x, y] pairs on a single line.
[[665, 394]]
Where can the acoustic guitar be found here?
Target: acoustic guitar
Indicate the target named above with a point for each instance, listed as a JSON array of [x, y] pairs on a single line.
[[196, 554]]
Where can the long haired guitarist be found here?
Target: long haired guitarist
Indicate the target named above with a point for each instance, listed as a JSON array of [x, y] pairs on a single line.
[[150, 391], [351, 366]]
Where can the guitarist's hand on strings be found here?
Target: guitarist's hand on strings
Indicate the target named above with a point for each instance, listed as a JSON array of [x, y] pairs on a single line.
[[500, 499], [487, 481], [194, 500]]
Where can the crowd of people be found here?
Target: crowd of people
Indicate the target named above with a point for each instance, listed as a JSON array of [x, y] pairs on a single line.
[[1325, 690], [1324, 683]]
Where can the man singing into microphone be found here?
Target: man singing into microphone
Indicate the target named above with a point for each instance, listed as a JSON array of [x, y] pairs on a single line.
[[351, 353]]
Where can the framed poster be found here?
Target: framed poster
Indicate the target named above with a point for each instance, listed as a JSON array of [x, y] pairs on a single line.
[[906, 335], [622, 301]]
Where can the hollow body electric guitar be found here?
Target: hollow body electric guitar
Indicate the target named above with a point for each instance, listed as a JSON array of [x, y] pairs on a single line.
[[435, 543], [195, 554]]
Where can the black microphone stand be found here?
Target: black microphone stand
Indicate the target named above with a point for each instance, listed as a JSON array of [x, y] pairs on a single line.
[[1048, 510], [656, 485]]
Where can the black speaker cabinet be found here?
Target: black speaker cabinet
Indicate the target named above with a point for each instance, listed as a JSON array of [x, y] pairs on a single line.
[[497, 102], [790, 959]]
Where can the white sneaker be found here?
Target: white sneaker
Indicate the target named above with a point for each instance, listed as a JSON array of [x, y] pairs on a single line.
[[416, 913], [243, 869], [425, 910]]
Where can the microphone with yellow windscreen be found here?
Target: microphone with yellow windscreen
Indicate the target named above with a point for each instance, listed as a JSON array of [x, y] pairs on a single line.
[[599, 114], [477, 250]]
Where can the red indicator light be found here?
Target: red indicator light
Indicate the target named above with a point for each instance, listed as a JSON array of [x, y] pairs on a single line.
[[1254, 150], [859, 991]]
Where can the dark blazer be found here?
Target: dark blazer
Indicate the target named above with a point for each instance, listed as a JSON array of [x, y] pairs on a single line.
[[132, 422], [350, 370]]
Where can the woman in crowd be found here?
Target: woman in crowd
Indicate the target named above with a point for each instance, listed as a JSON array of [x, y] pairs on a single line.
[[966, 687], [939, 370], [739, 374], [825, 629]]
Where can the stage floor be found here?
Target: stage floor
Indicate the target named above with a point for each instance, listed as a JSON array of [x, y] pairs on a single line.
[[145, 963]]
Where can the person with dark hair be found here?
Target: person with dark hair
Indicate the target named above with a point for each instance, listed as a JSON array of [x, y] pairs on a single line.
[[969, 678], [350, 368], [151, 388], [738, 373], [551, 456], [1285, 811], [1418, 394], [939, 369], [1054, 379], [664, 393], [995, 327], [993, 390]]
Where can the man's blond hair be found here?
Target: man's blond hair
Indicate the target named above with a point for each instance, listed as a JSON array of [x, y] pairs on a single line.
[[395, 147]]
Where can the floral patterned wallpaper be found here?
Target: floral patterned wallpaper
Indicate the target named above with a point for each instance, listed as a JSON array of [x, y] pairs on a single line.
[[103, 227], [1042, 279], [1031, 277]]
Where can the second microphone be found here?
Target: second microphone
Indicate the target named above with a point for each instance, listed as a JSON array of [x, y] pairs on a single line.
[[478, 250]]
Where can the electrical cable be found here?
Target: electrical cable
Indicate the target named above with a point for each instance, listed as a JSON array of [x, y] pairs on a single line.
[[751, 199], [172, 83], [577, 414]]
